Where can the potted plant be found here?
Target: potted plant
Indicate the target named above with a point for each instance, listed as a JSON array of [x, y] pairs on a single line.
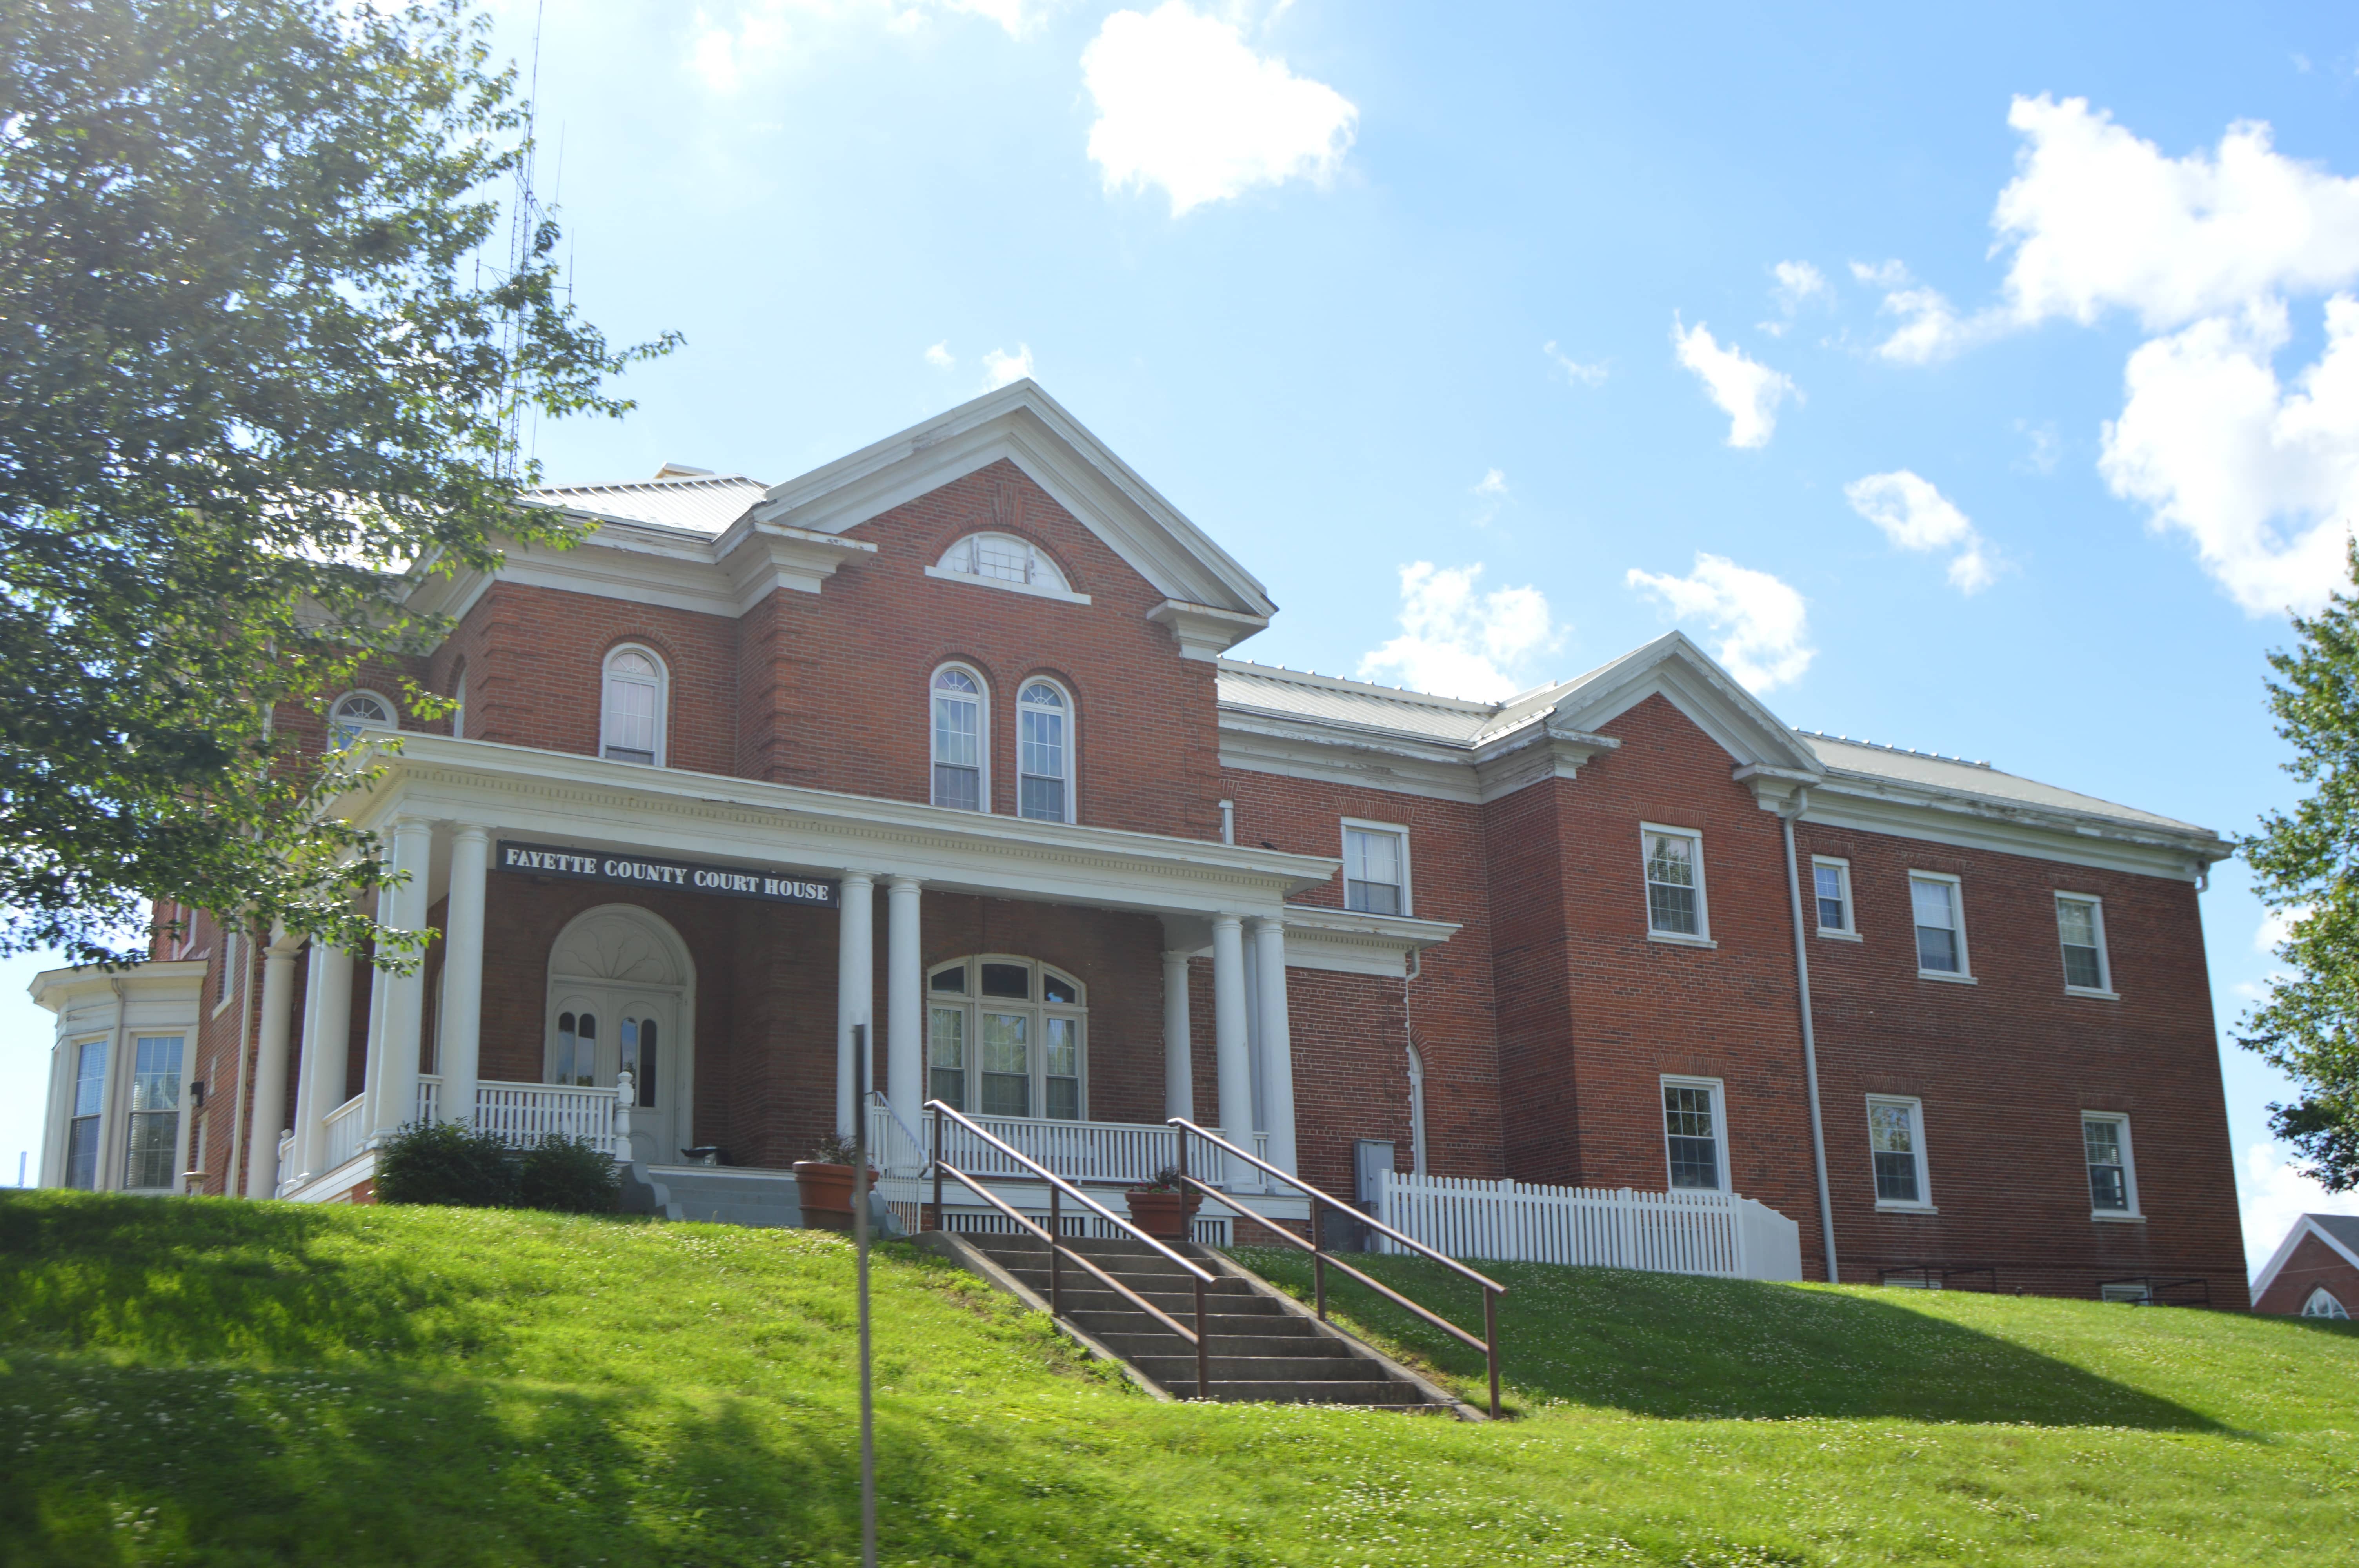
[[1163, 1206], [823, 1183]]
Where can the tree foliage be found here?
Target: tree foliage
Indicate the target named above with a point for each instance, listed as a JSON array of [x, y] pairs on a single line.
[[261, 344], [2306, 866]]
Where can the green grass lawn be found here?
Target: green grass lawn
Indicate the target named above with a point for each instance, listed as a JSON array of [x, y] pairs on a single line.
[[207, 1382]]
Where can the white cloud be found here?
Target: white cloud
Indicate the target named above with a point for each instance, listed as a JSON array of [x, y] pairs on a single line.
[[940, 357], [1184, 103], [1798, 284], [1881, 274], [2263, 479], [1572, 370], [2274, 1195], [1455, 641], [1493, 482], [1000, 367], [2046, 447], [1764, 623], [1747, 391], [757, 34], [1915, 516], [2277, 927]]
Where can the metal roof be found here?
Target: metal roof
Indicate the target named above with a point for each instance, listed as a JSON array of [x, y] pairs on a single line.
[[702, 503]]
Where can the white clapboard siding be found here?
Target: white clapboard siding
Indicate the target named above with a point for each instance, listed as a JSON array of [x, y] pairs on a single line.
[[1671, 1233]]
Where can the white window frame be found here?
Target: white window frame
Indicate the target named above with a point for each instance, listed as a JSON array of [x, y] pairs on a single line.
[[179, 1110], [974, 1004], [982, 731], [361, 726], [1965, 971], [2329, 1306], [663, 702], [2134, 1213], [1399, 831], [1072, 715], [1845, 933], [230, 979], [1060, 591], [2104, 989], [1719, 1128], [1701, 937], [1924, 1203]]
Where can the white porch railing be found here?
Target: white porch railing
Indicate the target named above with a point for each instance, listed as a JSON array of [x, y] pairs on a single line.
[[1674, 1233], [1099, 1152], [429, 1096], [347, 1129], [286, 1161], [521, 1114]]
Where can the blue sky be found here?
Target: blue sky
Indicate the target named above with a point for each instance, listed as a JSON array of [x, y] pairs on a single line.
[[1975, 386]]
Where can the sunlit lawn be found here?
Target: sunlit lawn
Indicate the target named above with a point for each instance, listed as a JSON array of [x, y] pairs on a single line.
[[209, 1382]]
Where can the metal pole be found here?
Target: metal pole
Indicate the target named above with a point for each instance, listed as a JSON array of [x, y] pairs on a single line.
[[1491, 1345], [860, 1249]]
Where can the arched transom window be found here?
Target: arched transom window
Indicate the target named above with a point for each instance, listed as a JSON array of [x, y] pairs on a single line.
[[1007, 1036], [1044, 752], [355, 712], [631, 710], [1004, 558], [2322, 1304], [958, 753]]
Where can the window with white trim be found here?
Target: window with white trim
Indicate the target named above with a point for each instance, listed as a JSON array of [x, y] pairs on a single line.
[[354, 714], [1044, 752], [2322, 1304], [1695, 1136], [154, 1112], [459, 705], [1896, 1145], [631, 728], [1375, 867], [961, 758], [1004, 558], [2113, 1179], [2081, 932], [89, 1114], [1007, 1036], [1674, 882], [226, 977], [1934, 904], [1831, 893]]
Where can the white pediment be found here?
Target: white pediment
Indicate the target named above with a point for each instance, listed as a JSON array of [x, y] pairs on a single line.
[[1674, 669]]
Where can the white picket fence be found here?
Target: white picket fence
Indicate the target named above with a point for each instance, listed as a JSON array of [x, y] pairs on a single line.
[[1671, 1233]]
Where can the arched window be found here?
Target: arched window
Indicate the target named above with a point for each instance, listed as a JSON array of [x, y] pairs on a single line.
[[355, 712], [2321, 1304], [962, 775], [1008, 1037], [1007, 559], [1044, 752], [632, 723]]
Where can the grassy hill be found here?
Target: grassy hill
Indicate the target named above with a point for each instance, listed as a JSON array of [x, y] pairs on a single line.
[[216, 1382]]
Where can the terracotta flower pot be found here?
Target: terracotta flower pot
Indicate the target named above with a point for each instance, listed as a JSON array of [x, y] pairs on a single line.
[[824, 1192], [1163, 1214]]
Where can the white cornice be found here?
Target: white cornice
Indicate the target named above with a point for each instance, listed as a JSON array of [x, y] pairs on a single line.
[[57, 990], [588, 800], [1204, 631], [1880, 805], [1351, 942]]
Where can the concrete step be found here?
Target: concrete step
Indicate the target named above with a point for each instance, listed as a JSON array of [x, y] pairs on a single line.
[[1132, 1343], [1165, 1366], [1290, 1391]]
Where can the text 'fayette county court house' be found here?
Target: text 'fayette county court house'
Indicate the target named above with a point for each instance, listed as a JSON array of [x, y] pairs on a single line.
[[942, 736]]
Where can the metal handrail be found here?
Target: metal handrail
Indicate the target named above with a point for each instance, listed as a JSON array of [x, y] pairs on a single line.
[[1321, 1260], [1058, 1188]]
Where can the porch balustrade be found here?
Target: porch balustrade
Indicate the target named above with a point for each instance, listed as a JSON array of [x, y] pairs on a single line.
[[1108, 1153], [347, 1129], [286, 1171], [523, 1114]]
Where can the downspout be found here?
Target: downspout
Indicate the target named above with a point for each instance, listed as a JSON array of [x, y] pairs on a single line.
[[1799, 804], [1416, 1153]]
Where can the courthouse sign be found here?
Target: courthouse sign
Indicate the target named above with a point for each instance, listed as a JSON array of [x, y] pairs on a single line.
[[576, 864]]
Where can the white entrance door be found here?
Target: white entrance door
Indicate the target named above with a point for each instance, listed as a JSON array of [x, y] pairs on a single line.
[[597, 1033]]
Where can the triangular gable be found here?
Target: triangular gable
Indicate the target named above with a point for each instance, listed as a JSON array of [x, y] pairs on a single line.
[[2306, 1226], [1027, 427], [1674, 669]]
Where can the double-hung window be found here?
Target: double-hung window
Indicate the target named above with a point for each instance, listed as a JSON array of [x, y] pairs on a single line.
[[2113, 1180], [1895, 1146], [1675, 905], [958, 740], [2080, 931], [1044, 752], [631, 718], [1006, 1036], [1695, 1135], [1940, 924], [1375, 867], [155, 1110], [1831, 893], [89, 1114]]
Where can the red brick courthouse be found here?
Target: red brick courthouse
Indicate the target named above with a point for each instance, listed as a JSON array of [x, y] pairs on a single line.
[[943, 737]]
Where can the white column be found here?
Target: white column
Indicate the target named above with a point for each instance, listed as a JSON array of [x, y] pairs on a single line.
[[270, 1072], [395, 1044], [311, 1070], [462, 972], [905, 1000], [1276, 1044], [1179, 1066], [1230, 1050], [855, 983]]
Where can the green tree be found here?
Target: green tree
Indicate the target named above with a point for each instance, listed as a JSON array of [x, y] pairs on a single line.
[[262, 344], [2306, 865]]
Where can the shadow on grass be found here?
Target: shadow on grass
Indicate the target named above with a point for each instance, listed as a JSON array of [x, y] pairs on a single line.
[[1681, 1346]]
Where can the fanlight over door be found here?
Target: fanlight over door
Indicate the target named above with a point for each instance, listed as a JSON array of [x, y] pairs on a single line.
[[620, 999]]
